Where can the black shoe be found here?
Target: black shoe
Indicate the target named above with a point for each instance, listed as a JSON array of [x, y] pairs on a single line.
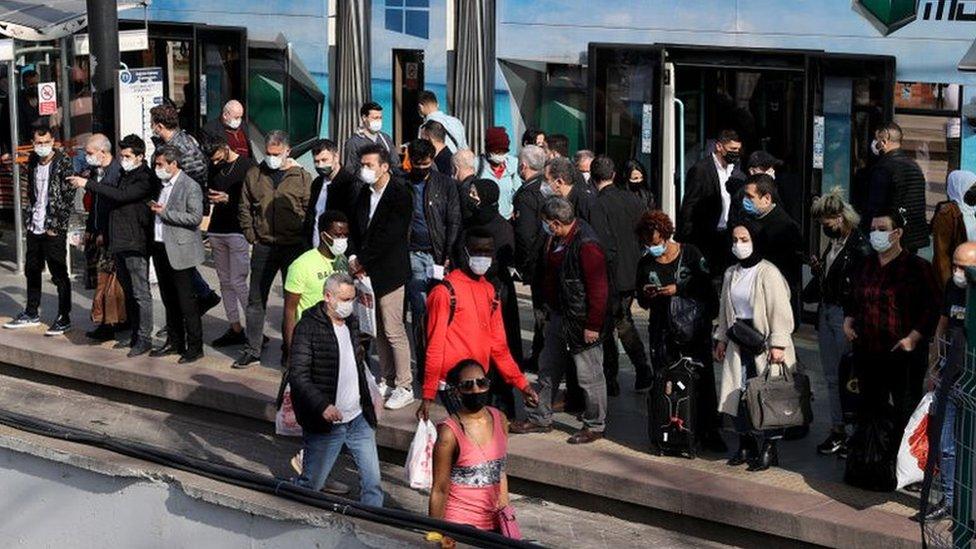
[[768, 457], [935, 514], [124, 343], [844, 450], [613, 388], [712, 442], [103, 332], [229, 338], [245, 361], [167, 348], [163, 332], [209, 302], [832, 445], [745, 452], [60, 326], [139, 348], [190, 356]]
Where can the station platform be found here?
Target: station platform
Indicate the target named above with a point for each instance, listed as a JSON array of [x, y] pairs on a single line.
[[803, 500]]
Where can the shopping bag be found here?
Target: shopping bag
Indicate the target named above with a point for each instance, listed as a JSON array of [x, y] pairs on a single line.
[[420, 457], [914, 450], [286, 424], [375, 395], [366, 306]]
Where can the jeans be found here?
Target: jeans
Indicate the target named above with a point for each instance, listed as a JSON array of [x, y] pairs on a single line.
[[182, 311], [41, 249], [231, 254], [948, 464], [417, 286], [322, 449], [392, 343], [589, 373], [267, 260], [833, 346], [633, 346], [133, 272]]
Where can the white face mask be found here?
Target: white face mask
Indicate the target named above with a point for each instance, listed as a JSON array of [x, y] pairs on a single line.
[[880, 241], [128, 165], [274, 162], [742, 250], [92, 160], [343, 309], [368, 175], [479, 264], [43, 151], [874, 147], [234, 123], [339, 246], [162, 174], [586, 176], [546, 190], [959, 278], [375, 125], [497, 158]]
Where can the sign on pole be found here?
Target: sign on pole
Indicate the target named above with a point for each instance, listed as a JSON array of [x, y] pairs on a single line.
[[138, 91], [47, 94], [7, 50]]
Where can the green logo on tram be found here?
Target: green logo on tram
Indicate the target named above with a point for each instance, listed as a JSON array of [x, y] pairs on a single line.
[[888, 15]]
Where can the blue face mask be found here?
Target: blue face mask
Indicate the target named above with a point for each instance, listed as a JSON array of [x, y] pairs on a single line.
[[546, 229], [749, 207], [656, 251]]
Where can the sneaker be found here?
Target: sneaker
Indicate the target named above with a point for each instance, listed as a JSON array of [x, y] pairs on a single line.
[[296, 462], [832, 445], [245, 361], [229, 338], [23, 320], [843, 451], [60, 326], [400, 397]]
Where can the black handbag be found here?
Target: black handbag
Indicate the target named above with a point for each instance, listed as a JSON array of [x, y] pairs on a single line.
[[749, 339], [777, 402], [686, 318]]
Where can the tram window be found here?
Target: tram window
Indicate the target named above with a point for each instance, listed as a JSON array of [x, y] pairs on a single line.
[[933, 141]]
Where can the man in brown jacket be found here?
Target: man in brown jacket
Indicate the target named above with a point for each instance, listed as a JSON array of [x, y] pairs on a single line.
[[273, 205]]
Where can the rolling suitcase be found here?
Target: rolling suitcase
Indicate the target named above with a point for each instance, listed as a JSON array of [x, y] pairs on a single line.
[[671, 410]]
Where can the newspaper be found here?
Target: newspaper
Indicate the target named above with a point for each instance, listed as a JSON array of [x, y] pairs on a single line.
[[366, 306]]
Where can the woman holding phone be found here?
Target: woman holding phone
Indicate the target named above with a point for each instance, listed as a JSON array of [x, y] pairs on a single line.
[[668, 269]]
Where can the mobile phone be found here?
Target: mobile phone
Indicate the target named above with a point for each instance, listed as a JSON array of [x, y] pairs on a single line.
[[654, 280]]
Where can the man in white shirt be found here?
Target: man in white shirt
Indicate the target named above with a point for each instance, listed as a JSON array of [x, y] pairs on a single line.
[[430, 110], [330, 392], [50, 198]]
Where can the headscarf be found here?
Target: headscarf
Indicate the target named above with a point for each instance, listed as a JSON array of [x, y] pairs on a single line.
[[758, 244], [957, 184], [481, 213]]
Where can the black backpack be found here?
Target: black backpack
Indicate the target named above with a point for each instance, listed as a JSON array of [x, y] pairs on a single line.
[[495, 304]]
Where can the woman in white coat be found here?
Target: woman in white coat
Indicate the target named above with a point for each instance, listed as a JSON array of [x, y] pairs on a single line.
[[754, 295]]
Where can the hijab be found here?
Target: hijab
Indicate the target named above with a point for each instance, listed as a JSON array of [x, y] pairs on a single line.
[[957, 184], [758, 248], [483, 211]]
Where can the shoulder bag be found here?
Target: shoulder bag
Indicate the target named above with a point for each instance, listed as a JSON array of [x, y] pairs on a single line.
[[781, 401], [686, 318]]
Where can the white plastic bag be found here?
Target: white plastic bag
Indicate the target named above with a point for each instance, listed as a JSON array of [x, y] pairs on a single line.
[[375, 395], [286, 424], [914, 449], [420, 458]]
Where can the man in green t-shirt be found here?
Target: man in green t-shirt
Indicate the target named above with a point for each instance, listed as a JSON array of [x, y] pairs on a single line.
[[307, 274]]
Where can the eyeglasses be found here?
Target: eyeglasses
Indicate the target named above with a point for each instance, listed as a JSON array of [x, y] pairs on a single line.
[[470, 384]]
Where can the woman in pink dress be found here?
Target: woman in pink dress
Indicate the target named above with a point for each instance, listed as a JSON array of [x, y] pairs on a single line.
[[470, 484]]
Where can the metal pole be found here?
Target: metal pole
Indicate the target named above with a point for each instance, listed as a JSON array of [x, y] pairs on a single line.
[[65, 91], [103, 36], [14, 135]]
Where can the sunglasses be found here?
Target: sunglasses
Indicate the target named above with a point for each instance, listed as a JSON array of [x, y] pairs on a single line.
[[470, 384]]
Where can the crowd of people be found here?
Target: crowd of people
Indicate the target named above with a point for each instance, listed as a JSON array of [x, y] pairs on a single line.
[[442, 235]]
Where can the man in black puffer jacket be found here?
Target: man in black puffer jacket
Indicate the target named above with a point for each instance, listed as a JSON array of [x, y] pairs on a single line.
[[330, 392], [897, 182], [129, 224]]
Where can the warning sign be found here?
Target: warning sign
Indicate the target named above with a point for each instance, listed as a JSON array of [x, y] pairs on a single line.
[[47, 94]]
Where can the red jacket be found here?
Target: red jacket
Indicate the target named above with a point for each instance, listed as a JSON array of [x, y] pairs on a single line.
[[476, 332]]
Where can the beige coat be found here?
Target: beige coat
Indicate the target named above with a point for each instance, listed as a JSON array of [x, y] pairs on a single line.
[[773, 318]]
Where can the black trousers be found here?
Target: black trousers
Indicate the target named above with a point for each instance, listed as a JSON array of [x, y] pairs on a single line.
[[624, 328], [894, 377], [179, 298], [41, 249]]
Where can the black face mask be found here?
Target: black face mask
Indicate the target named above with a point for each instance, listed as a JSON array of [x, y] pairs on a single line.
[[731, 157], [474, 402], [418, 174], [325, 172], [832, 232], [970, 197]]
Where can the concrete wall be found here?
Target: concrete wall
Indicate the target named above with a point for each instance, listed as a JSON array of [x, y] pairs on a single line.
[[49, 504]]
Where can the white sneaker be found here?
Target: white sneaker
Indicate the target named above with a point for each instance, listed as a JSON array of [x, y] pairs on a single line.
[[385, 390], [296, 462], [400, 397]]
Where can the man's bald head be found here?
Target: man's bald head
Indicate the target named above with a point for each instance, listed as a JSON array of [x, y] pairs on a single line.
[[965, 255], [464, 164], [233, 109]]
